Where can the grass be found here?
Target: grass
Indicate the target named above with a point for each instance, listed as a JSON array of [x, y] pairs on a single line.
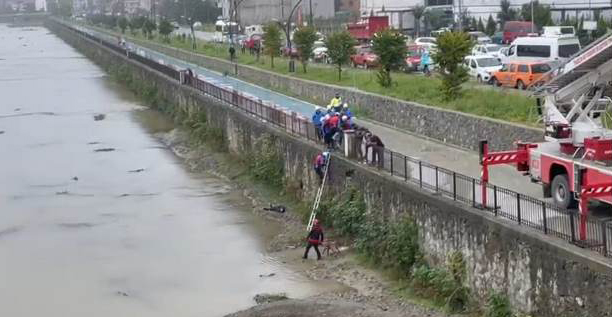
[[506, 105]]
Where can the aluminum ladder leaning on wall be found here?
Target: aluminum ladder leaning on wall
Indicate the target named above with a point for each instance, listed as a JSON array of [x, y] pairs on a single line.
[[317, 201]]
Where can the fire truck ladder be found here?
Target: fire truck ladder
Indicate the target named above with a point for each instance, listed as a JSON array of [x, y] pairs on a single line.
[[315, 206]]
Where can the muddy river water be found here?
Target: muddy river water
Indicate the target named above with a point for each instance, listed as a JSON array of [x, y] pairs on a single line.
[[97, 218]]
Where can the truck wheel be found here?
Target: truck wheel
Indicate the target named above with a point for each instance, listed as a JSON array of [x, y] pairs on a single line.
[[520, 85], [561, 193], [495, 82]]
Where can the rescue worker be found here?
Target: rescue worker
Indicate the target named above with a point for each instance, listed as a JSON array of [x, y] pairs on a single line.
[[335, 102], [332, 128], [319, 164], [346, 111], [314, 238], [232, 52], [316, 121], [378, 149]]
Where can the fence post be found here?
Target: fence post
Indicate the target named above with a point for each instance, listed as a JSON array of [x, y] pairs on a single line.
[[473, 192], [495, 200], [518, 207], [572, 225], [437, 179], [544, 220], [421, 174], [454, 186], [405, 168], [391, 161], [604, 236]]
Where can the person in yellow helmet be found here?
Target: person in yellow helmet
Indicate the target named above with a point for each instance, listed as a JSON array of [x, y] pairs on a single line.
[[335, 102]]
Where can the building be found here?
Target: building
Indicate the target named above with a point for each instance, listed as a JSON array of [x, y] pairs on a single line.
[[263, 11], [401, 16], [351, 6]]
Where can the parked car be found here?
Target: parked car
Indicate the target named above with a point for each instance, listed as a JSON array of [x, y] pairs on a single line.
[[520, 74], [413, 58], [498, 38], [292, 53], [481, 67], [252, 41], [319, 53], [480, 37], [364, 58], [427, 42], [487, 49]]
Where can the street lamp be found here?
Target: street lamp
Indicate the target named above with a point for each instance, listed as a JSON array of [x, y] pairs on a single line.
[[288, 33]]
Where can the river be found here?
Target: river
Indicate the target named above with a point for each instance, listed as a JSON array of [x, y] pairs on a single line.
[[97, 218]]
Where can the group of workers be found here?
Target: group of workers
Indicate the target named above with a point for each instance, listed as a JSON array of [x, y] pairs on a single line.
[[331, 121], [330, 124]]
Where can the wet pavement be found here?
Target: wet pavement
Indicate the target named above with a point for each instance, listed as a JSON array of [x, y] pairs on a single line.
[[97, 217]]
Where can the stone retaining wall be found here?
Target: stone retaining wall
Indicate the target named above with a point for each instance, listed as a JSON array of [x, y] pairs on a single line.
[[540, 275]]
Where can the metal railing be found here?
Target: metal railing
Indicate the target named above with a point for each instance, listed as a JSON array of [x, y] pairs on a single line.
[[501, 202]]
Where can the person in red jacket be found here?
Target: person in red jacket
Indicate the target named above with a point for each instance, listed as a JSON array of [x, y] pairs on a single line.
[[315, 237]]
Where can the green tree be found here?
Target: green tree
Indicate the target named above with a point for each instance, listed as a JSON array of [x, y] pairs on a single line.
[[148, 27], [418, 11], [304, 38], [473, 24], [491, 26], [452, 49], [390, 46], [340, 47], [136, 24], [481, 26], [541, 13], [507, 13], [435, 19], [123, 24], [165, 28], [272, 41]]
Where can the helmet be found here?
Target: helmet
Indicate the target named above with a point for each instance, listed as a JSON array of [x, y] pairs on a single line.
[[327, 116], [344, 118], [315, 222], [345, 105], [337, 95]]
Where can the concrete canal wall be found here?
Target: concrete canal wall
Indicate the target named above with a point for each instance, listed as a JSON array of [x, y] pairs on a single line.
[[540, 275]]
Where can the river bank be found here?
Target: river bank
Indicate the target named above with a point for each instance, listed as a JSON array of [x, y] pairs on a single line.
[[344, 280]]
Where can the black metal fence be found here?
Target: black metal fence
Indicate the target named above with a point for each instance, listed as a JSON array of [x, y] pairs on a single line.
[[504, 203]]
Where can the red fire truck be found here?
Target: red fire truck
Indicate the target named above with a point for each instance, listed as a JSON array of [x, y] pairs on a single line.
[[574, 163]]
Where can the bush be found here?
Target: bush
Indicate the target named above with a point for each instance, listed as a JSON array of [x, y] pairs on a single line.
[[453, 47], [440, 286], [266, 164], [498, 306]]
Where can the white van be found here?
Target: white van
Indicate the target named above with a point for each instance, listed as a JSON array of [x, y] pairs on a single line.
[[548, 47]]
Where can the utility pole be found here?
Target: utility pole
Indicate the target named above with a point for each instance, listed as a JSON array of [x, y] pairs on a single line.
[[532, 20], [310, 23]]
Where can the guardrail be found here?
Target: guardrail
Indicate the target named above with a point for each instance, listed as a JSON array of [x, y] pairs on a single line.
[[504, 203]]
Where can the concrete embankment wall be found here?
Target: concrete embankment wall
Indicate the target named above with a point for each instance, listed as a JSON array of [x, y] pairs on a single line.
[[542, 276], [459, 129]]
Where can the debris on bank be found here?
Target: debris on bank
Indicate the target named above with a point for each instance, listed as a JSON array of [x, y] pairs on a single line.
[[265, 298], [99, 117], [106, 149]]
